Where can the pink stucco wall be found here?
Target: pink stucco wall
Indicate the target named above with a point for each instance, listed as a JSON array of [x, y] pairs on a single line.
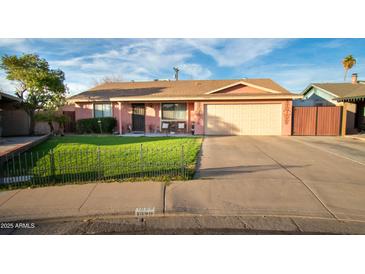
[[125, 118], [241, 89], [190, 108], [153, 119], [199, 107], [83, 111]]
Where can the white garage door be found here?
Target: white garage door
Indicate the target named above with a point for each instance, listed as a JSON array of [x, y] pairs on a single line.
[[248, 119]]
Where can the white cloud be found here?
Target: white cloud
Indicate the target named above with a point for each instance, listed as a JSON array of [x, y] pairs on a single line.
[[297, 77], [195, 71], [332, 44], [143, 59], [139, 60], [77, 87], [6, 85], [17, 44], [235, 52]]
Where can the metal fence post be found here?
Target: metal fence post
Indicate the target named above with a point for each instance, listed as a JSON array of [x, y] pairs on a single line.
[[141, 158], [2, 169], [98, 161], [182, 161], [52, 165]]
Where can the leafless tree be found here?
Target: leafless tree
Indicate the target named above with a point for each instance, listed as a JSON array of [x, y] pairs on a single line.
[[108, 79]]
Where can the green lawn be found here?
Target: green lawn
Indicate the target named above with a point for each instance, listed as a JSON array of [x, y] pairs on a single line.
[[83, 158]]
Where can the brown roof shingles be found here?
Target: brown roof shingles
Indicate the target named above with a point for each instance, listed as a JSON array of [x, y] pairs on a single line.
[[343, 90], [170, 89]]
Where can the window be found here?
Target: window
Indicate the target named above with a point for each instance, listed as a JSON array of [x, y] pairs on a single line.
[[102, 110], [174, 112]]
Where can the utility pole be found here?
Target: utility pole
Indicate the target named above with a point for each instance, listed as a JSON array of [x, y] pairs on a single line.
[[176, 69]]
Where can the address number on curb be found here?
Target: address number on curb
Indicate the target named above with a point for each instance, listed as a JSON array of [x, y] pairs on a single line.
[[144, 211]]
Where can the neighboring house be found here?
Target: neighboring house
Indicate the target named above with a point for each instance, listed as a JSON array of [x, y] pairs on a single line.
[[357, 98], [14, 121], [348, 95], [211, 107]]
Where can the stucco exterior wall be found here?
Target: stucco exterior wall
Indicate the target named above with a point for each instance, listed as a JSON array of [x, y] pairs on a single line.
[[14, 122], [195, 114], [350, 117], [70, 107], [126, 117], [83, 111], [190, 109], [153, 119], [43, 127], [241, 89]]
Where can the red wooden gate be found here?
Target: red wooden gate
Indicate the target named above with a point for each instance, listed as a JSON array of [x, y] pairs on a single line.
[[319, 121]]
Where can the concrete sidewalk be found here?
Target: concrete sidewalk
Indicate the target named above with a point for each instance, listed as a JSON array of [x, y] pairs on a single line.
[[107, 208], [80, 200]]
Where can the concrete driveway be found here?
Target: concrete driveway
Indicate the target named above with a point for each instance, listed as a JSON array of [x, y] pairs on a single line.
[[319, 177]]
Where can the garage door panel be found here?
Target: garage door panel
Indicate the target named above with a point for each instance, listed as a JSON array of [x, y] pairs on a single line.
[[244, 119]]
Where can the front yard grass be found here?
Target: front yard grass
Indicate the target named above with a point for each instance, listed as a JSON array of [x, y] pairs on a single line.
[[100, 157]]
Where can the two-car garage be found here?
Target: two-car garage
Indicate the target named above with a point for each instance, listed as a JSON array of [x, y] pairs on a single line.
[[243, 119]]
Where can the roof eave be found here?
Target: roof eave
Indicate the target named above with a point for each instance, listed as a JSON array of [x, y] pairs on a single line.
[[352, 98], [11, 97], [195, 98], [242, 82], [327, 91]]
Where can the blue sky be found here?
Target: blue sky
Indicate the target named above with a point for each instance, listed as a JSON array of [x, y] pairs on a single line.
[[294, 63]]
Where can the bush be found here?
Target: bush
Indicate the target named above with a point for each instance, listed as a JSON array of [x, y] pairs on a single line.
[[92, 125]]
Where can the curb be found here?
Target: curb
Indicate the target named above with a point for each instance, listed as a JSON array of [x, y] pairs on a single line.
[[195, 224]]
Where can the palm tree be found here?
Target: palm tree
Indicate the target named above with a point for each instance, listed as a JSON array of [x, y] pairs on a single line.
[[348, 62]]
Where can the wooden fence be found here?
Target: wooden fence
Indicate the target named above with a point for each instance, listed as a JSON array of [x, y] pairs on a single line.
[[320, 121]]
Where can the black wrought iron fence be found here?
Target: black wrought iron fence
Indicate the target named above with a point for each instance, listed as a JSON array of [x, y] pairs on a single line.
[[32, 168]]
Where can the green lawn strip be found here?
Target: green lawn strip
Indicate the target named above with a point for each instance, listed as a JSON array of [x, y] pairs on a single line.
[[86, 157]]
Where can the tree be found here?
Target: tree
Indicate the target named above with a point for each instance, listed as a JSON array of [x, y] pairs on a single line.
[[348, 62], [39, 87], [108, 79]]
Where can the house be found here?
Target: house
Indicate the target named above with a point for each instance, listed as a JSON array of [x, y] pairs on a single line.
[[350, 96], [209, 107], [357, 98], [14, 121]]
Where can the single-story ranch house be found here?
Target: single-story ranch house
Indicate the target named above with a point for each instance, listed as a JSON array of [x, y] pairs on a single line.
[[350, 96], [211, 107]]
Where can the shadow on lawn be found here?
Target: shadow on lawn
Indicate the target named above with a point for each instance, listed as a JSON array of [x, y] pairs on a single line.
[[102, 140], [161, 175]]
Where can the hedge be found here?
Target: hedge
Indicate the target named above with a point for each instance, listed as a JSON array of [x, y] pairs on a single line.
[[92, 125]]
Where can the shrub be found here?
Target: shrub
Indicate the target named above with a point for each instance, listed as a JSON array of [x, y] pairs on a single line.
[[92, 125]]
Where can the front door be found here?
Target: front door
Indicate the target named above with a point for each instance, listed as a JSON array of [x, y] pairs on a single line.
[[138, 117]]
